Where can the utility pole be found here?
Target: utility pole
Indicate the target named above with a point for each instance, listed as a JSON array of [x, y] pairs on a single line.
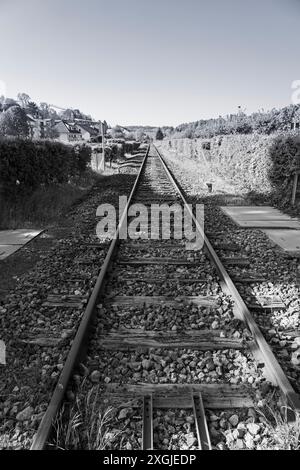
[[102, 131], [294, 191]]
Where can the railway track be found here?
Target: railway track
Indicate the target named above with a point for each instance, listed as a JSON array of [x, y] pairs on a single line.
[[166, 329]]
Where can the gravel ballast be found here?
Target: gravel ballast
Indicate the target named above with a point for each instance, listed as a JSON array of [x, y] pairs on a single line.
[[68, 268], [266, 260]]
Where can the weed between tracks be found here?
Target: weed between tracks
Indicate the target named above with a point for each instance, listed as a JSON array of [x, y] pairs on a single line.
[[86, 425], [74, 433], [282, 435], [269, 430]]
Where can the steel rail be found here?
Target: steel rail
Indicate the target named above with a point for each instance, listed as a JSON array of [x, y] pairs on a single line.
[[242, 312], [147, 423], [44, 429], [201, 423]]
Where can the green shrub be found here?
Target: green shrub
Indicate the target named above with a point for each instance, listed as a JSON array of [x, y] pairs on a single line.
[[83, 155], [261, 164], [130, 146], [27, 165]]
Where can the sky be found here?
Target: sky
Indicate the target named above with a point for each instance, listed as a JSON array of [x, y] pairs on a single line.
[[151, 62]]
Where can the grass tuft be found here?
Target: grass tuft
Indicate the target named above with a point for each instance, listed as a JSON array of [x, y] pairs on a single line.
[[85, 426], [281, 434], [45, 204]]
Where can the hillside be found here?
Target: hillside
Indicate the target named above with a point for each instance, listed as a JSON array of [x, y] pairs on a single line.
[[262, 122], [150, 131]]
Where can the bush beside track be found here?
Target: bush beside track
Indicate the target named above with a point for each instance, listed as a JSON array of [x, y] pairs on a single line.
[[117, 148], [26, 165], [263, 165]]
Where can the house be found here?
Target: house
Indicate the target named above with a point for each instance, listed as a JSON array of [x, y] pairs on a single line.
[[62, 130], [38, 127], [87, 131], [295, 124], [67, 133]]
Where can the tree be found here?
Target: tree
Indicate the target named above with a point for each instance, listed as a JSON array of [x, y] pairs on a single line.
[[130, 136], [2, 101], [140, 135], [8, 103], [159, 134], [53, 114], [13, 123], [117, 133], [33, 109], [51, 132], [105, 126], [45, 110], [68, 114], [24, 99], [78, 114]]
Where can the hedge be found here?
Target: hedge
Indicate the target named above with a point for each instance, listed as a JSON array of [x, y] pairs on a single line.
[[131, 146], [27, 165], [116, 148], [258, 163], [261, 164]]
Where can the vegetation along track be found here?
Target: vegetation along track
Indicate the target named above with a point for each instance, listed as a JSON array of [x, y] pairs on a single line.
[[166, 346]]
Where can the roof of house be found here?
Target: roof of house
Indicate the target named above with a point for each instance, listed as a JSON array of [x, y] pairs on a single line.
[[85, 121], [88, 128], [31, 118], [37, 120], [70, 128]]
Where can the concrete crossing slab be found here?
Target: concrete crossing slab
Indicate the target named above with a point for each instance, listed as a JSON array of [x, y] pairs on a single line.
[[288, 240], [13, 240], [7, 250], [252, 210], [264, 217], [270, 224], [17, 237]]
